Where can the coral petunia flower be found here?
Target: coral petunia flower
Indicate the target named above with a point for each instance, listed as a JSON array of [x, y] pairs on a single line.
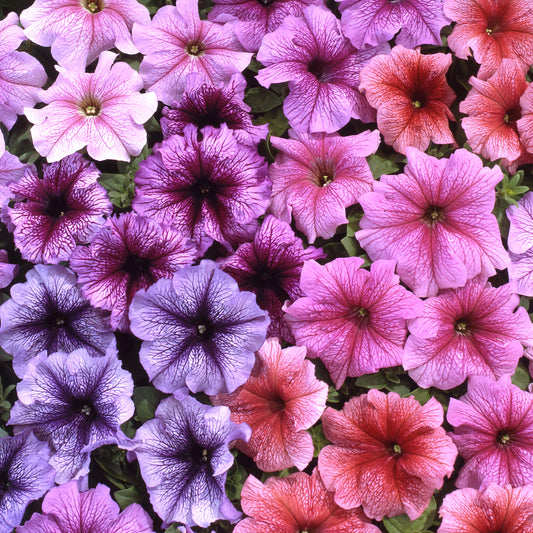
[[492, 30], [389, 454], [296, 503], [280, 401], [412, 98]]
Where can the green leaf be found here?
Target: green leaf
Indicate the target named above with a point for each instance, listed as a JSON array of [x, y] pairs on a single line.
[[261, 99], [373, 381], [521, 378], [127, 496], [402, 524], [350, 245], [319, 439], [119, 187], [380, 166], [146, 400], [422, 395], [236, 477], [276, 120], [333, 395]]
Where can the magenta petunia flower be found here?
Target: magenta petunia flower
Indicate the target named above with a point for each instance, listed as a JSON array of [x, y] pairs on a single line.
[[435, 221], [78, 30], [493, 425], [472, 331], [298, 502], [177, 43], [505, 510], [54, 212], [352, 319], [316, 177], [103, 111], [280, 401], [389, 454], [521, 272], [322, 69], [129, 253], [525, 123]]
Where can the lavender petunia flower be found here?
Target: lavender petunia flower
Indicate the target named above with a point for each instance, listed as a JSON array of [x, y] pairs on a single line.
[[67, 510], [520, 217], [79, 30], [198, 330], [25, 475], [48, 312], [177, 43], [322, 69], [55, 212], [77, 403], [211, 189], [11, 170], [103, 111], [7, 270], [184, 458]]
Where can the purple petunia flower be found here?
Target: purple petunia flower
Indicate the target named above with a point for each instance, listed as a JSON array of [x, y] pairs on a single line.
[[25, 475], [129, 253], [322, 69], [7, 270], [184, 458], [11, 170], [103, 111], [198, 330], [213, 189], [77, 403], [79, 30], [48, 312], [270, 266], [55, 212], [67, 510], [177, 43]]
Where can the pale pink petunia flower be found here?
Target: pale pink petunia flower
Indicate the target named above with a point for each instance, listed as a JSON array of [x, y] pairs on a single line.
[[520, 216], [103, 111]]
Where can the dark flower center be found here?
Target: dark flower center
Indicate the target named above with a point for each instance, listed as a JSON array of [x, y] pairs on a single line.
[[137, 267], [276, 404], [320, 69], [512, 115], [85, 407], [503, 438], [199, 456], [204, 330], [4, 483], [265, 3], [57, 206], [361, 316], [90, 106], [394, 449], [93, 6], [461, 327], [433, 215], [195, 48], [57, 321], [203, 190]]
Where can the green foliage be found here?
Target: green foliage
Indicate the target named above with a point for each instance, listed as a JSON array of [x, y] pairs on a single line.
[[146, 400], [319, 439], [276, 120], [237, 475], [521, 376], [510, 190], [402, 524], [380, 165], [125, 497], [262, 100]]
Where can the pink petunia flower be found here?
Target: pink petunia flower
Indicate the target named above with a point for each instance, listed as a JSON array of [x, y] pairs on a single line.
[[435, 221], [281, 399], [525, 123], [412, 98], [103, 111], [491, 30], [79, 30], [294, 504], [352, 319], [11, 170], [505, 510], [177, 43], [472, 331], [389, 454], [322, 68], [493, 425], [316, 177]]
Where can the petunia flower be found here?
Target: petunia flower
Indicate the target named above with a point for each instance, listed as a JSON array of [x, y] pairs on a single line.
[[76, 403], [199, 331], [476, 330], [501, 509], [103, 111], [270, 266], [67, 510], [54, 212], [79, 30], [491, 30], [7, 270], [412, 98], [25, 475], [49, 313], [176, 43], [525, 122], [352, 319], [520, 272], [184, 458], [316, 177], [213, 189], [389, 454], [11, 170], [373, 22], [280, 401], [493, 425], [322, 68], [435, 221], [296, 503], [130, 252], [520, 217]]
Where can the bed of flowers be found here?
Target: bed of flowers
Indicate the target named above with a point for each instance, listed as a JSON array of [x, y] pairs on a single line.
[[266, 266]]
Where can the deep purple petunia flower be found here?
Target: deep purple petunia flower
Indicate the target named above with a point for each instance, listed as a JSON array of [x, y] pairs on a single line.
[[184, 457], [77, 403], [129, 253], [270, 266], [213, 189], [48, 312], [67, 510], [55, 212], [322, 69], [25, 475], [198, 330]]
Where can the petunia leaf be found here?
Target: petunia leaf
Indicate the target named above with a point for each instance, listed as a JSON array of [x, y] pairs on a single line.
[[402, 524], [146, 400], [127, 496], [262, 100]]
